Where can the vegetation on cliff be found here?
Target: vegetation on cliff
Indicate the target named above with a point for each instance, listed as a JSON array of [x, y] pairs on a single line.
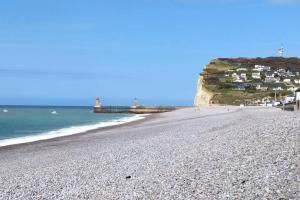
[[248, 80]]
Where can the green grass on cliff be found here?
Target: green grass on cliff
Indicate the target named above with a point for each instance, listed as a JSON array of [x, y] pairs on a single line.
[[215, 81]]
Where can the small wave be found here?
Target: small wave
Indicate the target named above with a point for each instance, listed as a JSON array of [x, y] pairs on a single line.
[[54, 112], [68, 131]]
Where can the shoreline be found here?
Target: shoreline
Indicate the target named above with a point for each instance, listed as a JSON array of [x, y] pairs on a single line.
[[206, 153], [57, 137]]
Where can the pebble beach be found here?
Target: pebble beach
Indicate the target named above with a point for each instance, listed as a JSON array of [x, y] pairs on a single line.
[[192, 153]]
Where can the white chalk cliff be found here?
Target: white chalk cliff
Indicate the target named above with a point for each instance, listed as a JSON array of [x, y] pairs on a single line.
[[203, 96]]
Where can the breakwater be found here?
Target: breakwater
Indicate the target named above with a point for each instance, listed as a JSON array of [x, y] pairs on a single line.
[[135, 110]]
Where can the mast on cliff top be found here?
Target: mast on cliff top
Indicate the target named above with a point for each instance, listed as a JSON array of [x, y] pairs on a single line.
[[281, 51]]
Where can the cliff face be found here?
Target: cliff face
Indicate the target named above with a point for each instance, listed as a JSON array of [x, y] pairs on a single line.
[[203, 96], [247, 80]]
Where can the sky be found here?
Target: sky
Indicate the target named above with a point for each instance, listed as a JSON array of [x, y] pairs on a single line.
[[67, 52]]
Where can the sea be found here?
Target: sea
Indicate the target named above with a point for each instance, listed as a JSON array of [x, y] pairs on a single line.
[[22, 124]]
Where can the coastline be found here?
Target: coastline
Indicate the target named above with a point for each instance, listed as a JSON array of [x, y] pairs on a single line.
[[62, 133], [218, 152]]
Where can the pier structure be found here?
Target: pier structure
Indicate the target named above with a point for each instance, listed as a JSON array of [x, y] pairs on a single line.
[[135, 104], [136, 108]]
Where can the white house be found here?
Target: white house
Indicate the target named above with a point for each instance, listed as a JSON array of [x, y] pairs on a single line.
[[244, 76], [263, 88], [297, 81], [261, 68], [237, 79], [242, 69], [286, 80], [292, 88], [270, 75], [258, 68], [277, 88], [256, 75], [291, 74], [270, 79]]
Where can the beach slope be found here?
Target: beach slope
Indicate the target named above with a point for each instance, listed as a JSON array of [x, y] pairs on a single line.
[[203, 153]]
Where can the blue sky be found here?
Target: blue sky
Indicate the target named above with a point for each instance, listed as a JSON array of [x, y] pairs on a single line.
[[65, 52]]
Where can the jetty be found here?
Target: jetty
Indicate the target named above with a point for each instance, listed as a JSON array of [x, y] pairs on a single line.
[[136, 108]]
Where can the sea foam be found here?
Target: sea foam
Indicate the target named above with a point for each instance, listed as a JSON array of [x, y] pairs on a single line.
[[69, 131]]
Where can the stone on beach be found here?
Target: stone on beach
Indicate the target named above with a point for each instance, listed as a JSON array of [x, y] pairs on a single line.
[[206, 153]]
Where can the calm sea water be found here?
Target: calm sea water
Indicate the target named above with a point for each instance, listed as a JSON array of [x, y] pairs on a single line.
[[16, 122]]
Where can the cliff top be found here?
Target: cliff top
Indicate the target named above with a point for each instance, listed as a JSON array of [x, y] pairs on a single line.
[[237, 79]]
